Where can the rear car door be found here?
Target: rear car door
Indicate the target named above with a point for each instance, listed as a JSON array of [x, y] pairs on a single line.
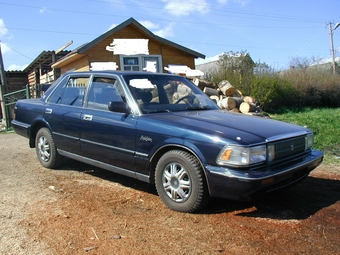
[[107, 136], [63, 111]]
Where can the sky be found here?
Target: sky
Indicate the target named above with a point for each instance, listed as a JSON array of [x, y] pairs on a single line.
[[271, 31]]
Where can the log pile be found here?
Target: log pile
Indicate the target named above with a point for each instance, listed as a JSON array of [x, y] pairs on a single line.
[[229, 98]]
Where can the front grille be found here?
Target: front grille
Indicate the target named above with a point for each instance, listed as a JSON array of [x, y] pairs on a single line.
[[288, 148]]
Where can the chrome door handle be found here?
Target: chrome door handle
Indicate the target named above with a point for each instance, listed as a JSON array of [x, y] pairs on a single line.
[[48, 110], [87, 117]]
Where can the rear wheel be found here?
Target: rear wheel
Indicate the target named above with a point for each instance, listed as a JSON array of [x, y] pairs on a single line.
[[180, 181], [46, 150]]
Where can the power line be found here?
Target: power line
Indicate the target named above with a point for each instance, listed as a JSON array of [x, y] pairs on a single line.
[[219, 10], [47, 31], [155, 5], [254, 15], [15, 50]]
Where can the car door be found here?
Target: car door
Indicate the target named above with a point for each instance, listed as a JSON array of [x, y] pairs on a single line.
[[63, 110], [107, 136]]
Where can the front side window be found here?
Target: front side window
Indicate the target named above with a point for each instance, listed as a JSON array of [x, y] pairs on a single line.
[[166, 93], [70, 92]]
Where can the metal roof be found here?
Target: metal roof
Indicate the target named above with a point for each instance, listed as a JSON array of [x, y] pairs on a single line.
[[45, 58]]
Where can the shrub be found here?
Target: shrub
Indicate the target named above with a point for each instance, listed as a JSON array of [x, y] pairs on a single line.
[[304, 86], [273, 92], [316, 87]]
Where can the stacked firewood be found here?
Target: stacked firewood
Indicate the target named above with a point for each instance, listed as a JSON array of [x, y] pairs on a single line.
[[229, 98]]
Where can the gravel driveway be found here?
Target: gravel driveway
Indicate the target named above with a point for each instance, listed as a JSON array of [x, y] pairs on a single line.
[[81, 209]]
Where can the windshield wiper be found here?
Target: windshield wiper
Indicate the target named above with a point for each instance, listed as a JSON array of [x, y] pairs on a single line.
[[156, 111], [198, 108]]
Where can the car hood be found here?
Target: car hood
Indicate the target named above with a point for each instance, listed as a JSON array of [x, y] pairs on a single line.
[[241, 128]]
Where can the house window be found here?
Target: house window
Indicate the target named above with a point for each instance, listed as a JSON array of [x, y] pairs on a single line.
[[131, 63], [141, 63]]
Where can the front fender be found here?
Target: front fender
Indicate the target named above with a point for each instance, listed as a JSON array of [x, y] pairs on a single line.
[[174, 142]]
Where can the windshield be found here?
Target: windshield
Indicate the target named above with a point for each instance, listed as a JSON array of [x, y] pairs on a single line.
[[165, 93]]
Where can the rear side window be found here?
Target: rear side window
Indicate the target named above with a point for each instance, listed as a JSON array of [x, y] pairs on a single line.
[[103, 91], [70, 92]]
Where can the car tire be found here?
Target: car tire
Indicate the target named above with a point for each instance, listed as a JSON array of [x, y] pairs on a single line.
[[46, 150], [180, 181]]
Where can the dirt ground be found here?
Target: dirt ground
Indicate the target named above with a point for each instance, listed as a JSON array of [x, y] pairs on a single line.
[[80, 209]]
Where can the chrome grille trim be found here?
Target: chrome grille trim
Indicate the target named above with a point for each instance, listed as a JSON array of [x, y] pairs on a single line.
[[289, 147], [286, 136]]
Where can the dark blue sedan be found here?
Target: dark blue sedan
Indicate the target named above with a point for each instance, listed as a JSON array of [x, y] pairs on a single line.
[[162, 129]]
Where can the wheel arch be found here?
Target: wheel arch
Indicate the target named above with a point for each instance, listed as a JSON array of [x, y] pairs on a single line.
[[35, 127], [175, 146]]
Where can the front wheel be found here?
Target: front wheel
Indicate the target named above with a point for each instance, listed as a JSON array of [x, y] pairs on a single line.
[[46, 150], [180, 181]]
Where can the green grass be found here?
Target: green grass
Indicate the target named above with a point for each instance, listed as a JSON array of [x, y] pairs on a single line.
[[326, 126]]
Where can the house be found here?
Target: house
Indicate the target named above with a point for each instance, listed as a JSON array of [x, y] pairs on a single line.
[[152, 53], [208, 68], [143, 50], [49, 65], [238, 62], [39, 71]]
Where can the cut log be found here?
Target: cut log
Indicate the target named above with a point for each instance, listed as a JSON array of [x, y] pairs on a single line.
[[219, 104], [215, 98], [249, 99], [226, 88], [228, 103], [211, 91], [247, 107], [237, 93], [203, 83], [238, 100], [258, 114], [235, 110]]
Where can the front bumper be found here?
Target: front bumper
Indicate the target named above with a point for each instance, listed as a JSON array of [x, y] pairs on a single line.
[[238, 184]]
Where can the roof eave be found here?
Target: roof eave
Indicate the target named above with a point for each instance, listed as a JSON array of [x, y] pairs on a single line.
[[130, 21], [66, 60]]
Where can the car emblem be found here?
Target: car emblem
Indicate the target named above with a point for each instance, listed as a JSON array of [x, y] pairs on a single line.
[[145, 138], [292, 147]]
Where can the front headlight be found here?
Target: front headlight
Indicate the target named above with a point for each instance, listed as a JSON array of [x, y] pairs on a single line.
[[241, 156]]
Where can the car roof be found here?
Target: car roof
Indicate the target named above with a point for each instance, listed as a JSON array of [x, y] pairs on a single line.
[[120, 73]]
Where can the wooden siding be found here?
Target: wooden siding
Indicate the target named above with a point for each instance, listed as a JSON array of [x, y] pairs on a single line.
[[16, 81], [98, 52], [81, 64], [32, 78]]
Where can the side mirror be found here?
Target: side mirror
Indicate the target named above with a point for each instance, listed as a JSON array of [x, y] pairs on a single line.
[[118, 107]]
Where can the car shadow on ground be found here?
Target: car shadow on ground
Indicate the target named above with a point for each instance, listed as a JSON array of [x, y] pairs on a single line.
[[299, 202], [73, 165]]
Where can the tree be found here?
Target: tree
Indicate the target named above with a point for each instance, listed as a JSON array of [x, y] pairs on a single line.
[[237, 68]]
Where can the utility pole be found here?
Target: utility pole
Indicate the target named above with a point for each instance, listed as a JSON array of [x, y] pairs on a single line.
[[3, 87], [332, 45]]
